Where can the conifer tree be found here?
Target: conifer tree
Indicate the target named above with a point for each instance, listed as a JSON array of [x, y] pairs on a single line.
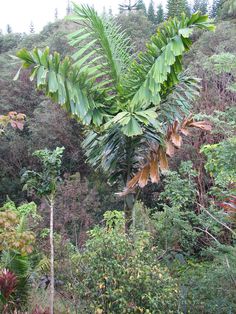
[[68, 8], [9, 29], [160, 17], [32, 27], [200, 5], [176, 7], [215, 8], [110, 11], [56, 14], [151, 12], [104, 12], [142, 7]]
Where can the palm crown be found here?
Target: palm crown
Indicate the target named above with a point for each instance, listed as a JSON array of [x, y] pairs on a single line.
[[126, 103]]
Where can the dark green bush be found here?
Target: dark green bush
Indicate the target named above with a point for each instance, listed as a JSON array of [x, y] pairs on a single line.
[[117, 273]]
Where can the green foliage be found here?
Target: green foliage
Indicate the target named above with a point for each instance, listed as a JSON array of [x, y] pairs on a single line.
[[215, 8], [151, 12], [21, 266], [221, 161], [16, 245], [224, 123], [142, 7], [116, 274], [44, 183], [227, 10], [200, 5], [9, 41], [179, 230], [137, 27], [209, 286], [184, 198], [121, 98], [177, 7], [225, 63], [122, 108], [184, 234], [167, 55], [114, 219], [160, 14], [14, 235], [131, 6]]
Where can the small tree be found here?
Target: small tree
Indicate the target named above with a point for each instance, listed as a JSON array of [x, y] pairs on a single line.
[[68, 8], [176, 7], [142, 7], [44, 184], [200, 5], [160, 14], [110, 12], [32, 27], [128, 103], [151, 12], [9, 29], [215, 8], [56, 14]]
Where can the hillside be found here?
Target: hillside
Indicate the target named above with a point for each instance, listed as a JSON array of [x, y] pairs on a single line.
[[177, 253]]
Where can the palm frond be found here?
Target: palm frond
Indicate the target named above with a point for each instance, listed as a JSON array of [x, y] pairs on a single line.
[[111, 57], [179, 100], [64, 83], [108, 151], [157, 70], [155, 158], [20, 265]]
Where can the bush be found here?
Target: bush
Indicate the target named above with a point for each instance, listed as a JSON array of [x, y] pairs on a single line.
[[209, 287], [117, 273]]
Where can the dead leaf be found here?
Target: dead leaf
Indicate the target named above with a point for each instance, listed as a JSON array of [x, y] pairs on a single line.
[[170, 149], [163, 160], [143, 180], [154, 171]]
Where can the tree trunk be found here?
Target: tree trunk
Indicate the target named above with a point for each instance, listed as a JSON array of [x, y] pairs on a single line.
[[52, 256], [128, 209]]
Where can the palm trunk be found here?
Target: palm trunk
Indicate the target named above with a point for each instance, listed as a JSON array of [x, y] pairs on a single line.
[[129, 199], [51, 201], [128, 209]]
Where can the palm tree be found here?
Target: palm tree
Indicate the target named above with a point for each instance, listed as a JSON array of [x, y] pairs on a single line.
[[126, 103]]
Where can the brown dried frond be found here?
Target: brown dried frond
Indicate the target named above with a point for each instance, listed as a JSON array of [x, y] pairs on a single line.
[[156, 158]]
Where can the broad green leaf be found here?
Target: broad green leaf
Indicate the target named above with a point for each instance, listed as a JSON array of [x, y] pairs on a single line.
[[132, 128], [186, 32]]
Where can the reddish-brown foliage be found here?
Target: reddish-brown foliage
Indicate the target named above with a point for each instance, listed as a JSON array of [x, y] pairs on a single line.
[[8, 283]]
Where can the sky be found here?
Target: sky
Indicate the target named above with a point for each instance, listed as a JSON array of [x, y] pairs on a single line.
[[20, 13]]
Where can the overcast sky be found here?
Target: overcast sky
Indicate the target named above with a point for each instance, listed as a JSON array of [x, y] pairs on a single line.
[[19, 13]]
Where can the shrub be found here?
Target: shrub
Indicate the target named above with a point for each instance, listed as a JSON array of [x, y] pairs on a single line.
[[117, 273]]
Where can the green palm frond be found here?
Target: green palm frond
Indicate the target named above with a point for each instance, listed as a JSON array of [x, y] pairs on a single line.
[[108, 151], [64, 83], [157, 70], [178, 102], [111, 57], [132, 102]]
